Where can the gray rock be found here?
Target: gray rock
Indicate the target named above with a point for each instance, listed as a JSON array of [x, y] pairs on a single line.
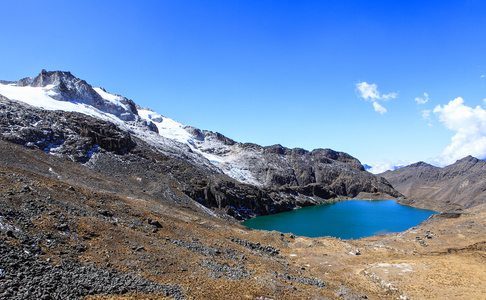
[[233, 272], [309, 281], [267, 249], [154, 223], [25, 276]]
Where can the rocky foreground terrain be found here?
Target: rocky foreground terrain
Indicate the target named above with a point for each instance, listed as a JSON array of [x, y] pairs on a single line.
[[99, 204], [70, 232]]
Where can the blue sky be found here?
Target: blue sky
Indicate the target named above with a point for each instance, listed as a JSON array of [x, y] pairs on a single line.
[[312, 74]]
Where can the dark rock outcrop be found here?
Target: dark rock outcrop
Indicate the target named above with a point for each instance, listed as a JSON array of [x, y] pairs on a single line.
[[321, 172], [72, 135]]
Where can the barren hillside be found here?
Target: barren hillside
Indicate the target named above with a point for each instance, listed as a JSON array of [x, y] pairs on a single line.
[[462, 183]]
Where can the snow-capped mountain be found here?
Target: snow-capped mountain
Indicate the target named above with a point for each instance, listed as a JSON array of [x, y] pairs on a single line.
[[327, 170], [62, 91]]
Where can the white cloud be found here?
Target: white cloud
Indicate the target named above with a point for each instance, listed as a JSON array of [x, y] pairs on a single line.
[[469, 125], [370, 92], [422, 100], [379, 108], [426, 114], [382, 166], [389, 96], [482, 76]]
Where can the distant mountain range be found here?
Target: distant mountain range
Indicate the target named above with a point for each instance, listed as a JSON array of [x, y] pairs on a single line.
[[463, 182], [68, 117]]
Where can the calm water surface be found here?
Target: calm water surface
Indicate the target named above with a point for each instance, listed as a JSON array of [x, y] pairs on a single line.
[[346, 219]]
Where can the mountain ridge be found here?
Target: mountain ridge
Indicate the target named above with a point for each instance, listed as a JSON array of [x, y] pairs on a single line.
[[307, 177], [461, 183]]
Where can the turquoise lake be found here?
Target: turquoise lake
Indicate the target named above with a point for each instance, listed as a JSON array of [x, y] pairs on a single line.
[[346, 219]]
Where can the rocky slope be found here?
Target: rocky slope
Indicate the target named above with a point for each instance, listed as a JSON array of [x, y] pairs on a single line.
[[68, 231], [119, 138], [462, 183]]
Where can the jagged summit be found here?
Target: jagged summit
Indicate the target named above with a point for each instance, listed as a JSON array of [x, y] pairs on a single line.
[[469, 161], [56, 78], [64, 86]]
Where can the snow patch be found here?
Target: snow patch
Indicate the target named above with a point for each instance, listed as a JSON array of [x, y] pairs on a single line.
[[41, 97]]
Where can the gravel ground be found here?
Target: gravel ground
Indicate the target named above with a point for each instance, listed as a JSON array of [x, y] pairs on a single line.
[[25, 276]]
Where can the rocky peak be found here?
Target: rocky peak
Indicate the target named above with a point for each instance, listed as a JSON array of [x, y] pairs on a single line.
[[421, 164], [464, 166], [54, 77], [339, 156], [276, 149], [460, 183], [276, 165], [417, 169], [468, 160], [222, 138], [67, 87]]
